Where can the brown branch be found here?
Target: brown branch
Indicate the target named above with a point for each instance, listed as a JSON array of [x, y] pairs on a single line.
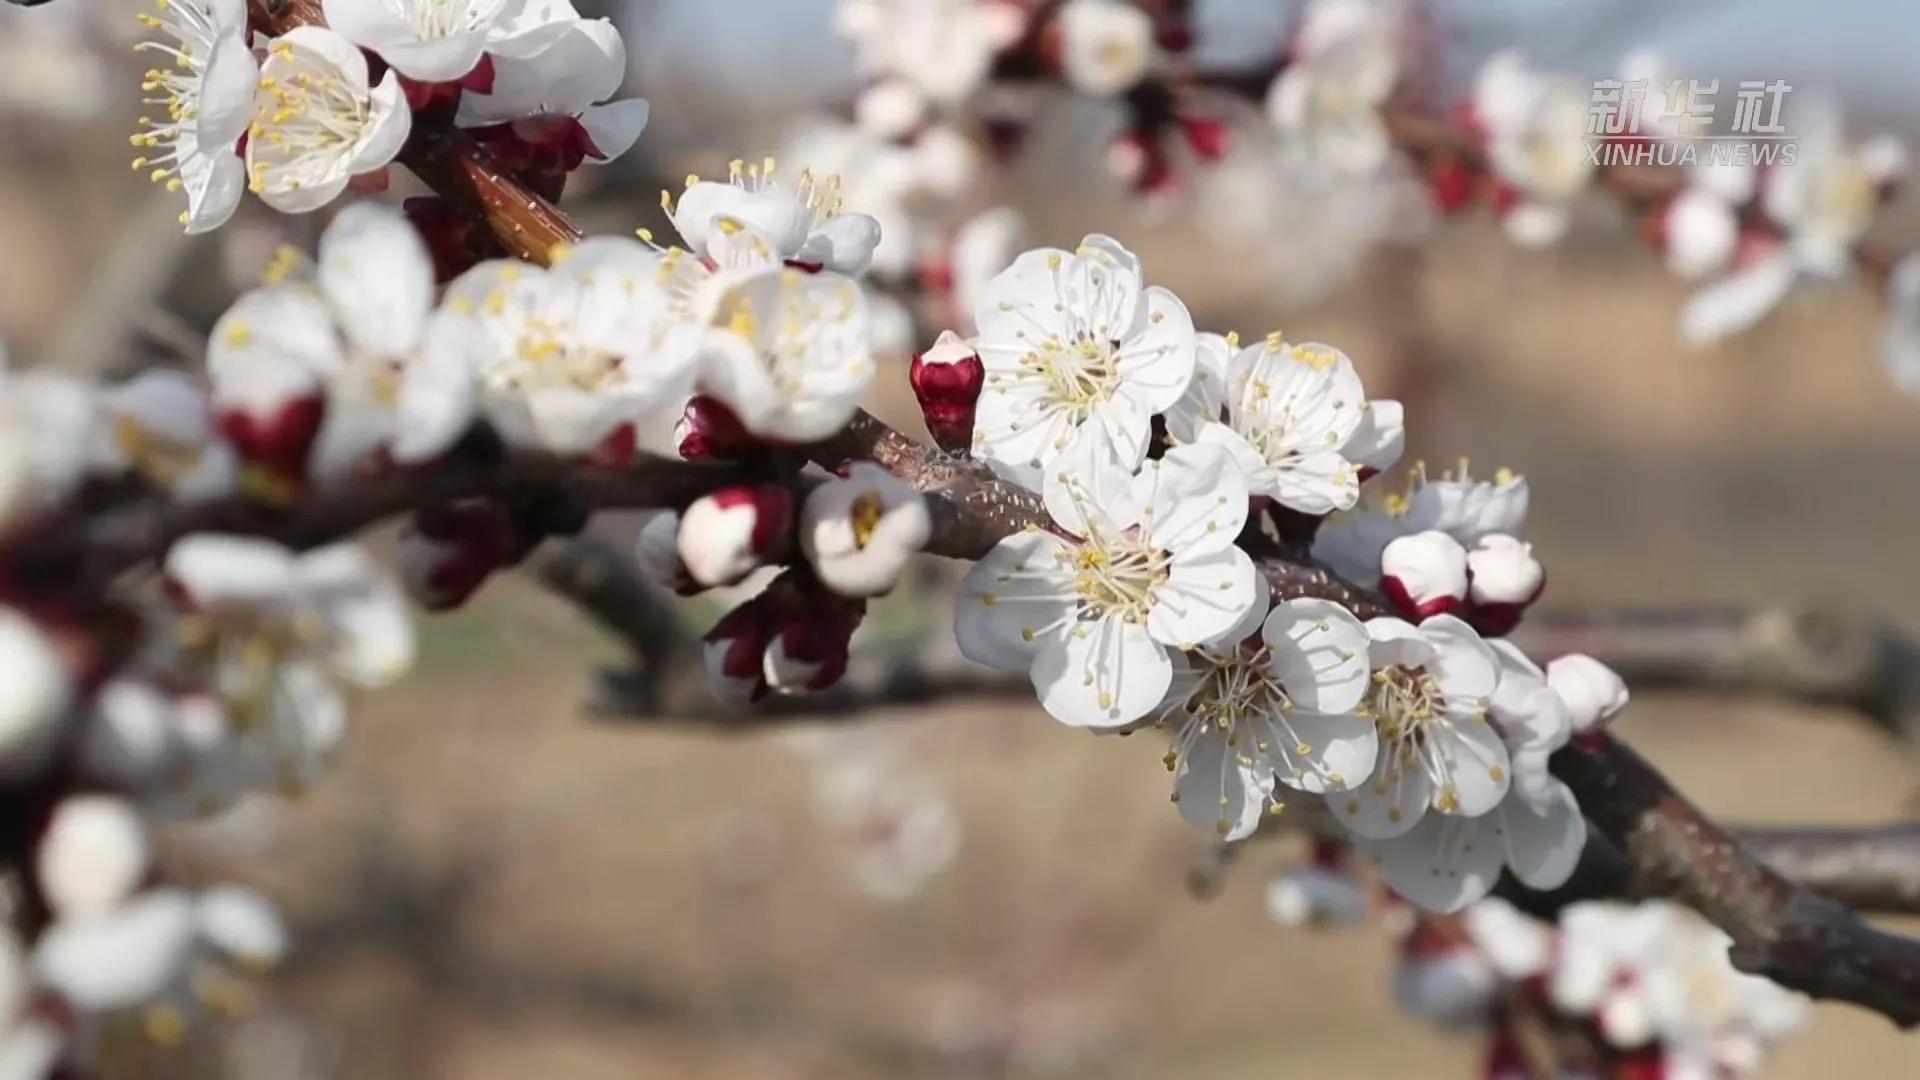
[[81, 558]]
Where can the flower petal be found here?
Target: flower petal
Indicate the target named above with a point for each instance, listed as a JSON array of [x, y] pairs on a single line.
[[1543, 844], [1194, 500], [375, 274], [1102, 674], [1320, 651], [1204, 598], [1220, 784], [1003, 632], [1444, 864], [1392, 800]]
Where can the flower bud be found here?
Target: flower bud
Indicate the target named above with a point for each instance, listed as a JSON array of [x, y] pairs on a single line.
[[727, 535], [947, 379], [709, 431], [1506, 580], [860, 532], [658, 553], [447, 552], [814, 643], [94, 854], [1424, 574], [1591, 691], [35, 690]]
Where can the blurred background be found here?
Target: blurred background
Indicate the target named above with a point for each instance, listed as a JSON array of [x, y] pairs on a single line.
[[496, 883]]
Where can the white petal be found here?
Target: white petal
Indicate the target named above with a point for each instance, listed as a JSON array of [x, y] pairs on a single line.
[[1392, 800], [1737, 301], [94, 854], [1194, 500], [272, 346], [1324, 753], [437, 397], [615, 127], [376, 640], [1214, 785], [243, 925], [1320, 652], [120, 959], [1102, 674], [226, 95], [1542, 848], [1445, 863], [435, 60], [1463, 663], [992, 633], [1157, 360], [218, 571], [387, 129], [1089, 492], [377, 277], [1475, 764], [1204, 598]]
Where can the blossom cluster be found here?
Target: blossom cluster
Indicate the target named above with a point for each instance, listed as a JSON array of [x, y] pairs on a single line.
[[1649, 984], [300, 118]]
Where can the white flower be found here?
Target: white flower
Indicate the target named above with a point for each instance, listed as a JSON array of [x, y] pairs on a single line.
[[1656, 973], [789, 352], [1253, 711], [1900, 337], [278, 636], [860, 532], [1535, 128], [363, 338], [94, 854], [318, 122], [562, 94], [1826, 197], [755, 218], [1344, 65], [35, 691], [1536, 830], [160, 425], [443, 40], [1291, 412], [1823, 203], [568, 357], [1376, 445], [730, 533], [1148, 562], [49, 436], [1432, 686], [1505, 571], [1463, 508], [944, 47], [1106, 46], [1424, 574], [1077, 354], [207, 89], [1592, 692]]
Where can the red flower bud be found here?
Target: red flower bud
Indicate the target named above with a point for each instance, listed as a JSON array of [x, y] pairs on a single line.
[[947, 379]]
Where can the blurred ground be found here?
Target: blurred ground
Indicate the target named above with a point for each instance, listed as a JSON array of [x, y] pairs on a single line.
[[493, 886]]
